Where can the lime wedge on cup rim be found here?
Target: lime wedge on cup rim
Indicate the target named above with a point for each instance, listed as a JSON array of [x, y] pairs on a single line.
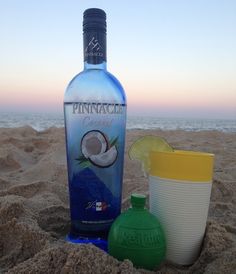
[[141, 148]]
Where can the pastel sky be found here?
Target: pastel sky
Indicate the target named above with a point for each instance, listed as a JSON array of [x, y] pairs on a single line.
[[175, 58]]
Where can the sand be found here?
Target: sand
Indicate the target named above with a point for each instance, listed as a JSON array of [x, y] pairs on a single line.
[[34, 213]]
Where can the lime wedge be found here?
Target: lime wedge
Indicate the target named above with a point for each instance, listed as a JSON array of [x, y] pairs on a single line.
[[141, 148]]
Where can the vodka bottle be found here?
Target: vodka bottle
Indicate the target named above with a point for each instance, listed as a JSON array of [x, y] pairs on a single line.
[[95, 121]]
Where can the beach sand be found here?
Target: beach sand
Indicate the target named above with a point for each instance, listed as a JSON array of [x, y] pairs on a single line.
[[34, 211]]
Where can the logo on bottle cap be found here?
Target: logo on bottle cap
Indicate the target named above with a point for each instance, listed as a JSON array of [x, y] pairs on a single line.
[[93, 47]]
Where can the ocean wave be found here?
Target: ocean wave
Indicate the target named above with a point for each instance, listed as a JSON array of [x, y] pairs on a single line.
[[42, 121]]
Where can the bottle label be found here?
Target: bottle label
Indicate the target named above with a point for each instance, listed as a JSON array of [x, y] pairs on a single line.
[[94, 47], [150, 238], [95, 154]]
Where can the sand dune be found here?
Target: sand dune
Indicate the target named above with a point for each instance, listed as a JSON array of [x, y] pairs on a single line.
[[34, 213]]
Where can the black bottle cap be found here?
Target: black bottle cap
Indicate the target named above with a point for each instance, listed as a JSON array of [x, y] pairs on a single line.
[[94, 19]]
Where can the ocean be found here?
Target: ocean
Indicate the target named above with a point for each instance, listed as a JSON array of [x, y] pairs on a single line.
[[42, 121]]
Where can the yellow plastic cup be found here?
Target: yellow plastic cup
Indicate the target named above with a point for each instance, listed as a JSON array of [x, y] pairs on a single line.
[[180, 185]]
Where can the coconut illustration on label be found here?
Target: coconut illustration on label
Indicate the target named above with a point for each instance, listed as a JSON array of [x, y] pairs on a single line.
[[96, 148]]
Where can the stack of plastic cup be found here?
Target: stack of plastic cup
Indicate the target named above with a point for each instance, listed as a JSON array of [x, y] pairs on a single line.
[[180, 187]]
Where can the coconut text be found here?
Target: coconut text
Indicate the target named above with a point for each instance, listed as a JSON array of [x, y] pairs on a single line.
[[89, 122]]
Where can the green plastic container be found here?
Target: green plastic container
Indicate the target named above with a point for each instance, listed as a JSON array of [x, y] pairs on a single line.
[[138, 236]]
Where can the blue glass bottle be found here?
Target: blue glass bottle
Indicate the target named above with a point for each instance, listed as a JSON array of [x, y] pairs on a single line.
[[95, 121]]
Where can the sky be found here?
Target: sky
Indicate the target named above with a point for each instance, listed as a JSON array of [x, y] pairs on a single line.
[[174, 58]]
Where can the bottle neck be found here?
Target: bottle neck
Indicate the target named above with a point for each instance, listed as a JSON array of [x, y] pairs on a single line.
[[87, 66], [95, 49]]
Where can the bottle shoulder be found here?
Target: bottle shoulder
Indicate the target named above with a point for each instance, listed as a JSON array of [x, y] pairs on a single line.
[[95, 84]]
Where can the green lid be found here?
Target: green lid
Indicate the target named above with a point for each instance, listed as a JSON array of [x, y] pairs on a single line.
[[138, 200]]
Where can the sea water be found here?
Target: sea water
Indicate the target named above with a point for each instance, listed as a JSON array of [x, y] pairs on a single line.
[[43, 121]]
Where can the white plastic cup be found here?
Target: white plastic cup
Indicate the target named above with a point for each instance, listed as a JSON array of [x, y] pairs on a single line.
[[180, 185]]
